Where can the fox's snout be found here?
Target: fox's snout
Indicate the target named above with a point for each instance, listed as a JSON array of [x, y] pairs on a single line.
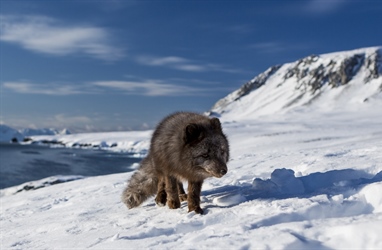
[[216, 169], [222, 171]]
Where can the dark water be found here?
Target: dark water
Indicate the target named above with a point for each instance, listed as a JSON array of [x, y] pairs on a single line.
[[23, 163]]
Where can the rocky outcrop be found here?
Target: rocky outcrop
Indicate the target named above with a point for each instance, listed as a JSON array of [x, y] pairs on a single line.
[[312, 74], [248, 87]]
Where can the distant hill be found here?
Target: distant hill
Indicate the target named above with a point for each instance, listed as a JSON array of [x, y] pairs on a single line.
[[325, 82], [8, 134], [45, 131]]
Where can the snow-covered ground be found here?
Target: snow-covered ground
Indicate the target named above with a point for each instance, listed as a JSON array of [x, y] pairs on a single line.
[[295, 181]]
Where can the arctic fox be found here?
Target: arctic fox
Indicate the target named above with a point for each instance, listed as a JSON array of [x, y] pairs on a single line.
[[184, 147]]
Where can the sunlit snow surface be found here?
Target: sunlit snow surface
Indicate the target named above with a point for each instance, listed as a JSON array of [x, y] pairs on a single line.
[[301, 180]]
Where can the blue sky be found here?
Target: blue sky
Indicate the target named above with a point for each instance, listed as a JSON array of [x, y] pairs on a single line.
[[118, 65]]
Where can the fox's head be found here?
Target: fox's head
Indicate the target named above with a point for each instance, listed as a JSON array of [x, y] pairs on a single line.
[[208, 148]]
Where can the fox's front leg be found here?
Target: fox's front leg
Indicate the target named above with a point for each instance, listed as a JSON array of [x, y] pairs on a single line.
[[173, 201], [193, 196]]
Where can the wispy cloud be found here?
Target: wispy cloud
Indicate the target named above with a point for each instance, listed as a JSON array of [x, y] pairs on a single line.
[[47, 35], [149, 88], [171, 62], [240, 29], [138, 87], [275, 47], [268, 47], [180, 63], [63, 119], [323, 6], [43, 89]]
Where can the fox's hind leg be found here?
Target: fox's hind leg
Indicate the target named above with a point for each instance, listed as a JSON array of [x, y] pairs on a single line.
[[165, 191], [161, 197], [181, 192]]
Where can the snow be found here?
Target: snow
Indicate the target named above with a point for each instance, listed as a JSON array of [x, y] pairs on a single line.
[[33, 185], [300, 180]]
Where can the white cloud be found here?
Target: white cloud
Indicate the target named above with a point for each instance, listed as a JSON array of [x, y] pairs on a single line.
[[149, 88], [59, 121], [139, 87], [162, 61], [70, 120], [43, 89], [240, 29], [276, 47], [183, 64], [324, 6], [174, 62], [268, 47], [49, 36]]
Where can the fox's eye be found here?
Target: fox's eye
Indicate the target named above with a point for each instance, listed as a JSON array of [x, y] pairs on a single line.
[[205, 155]]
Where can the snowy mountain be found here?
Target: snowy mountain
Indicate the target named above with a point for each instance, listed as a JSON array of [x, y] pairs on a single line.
[[8, 134], [317, 82], [27, 132]]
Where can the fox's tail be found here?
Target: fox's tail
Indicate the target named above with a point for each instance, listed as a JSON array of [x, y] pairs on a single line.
[[141, 186]]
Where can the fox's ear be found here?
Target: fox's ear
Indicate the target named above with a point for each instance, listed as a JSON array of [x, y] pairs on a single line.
[[216, 124], [192, 133]]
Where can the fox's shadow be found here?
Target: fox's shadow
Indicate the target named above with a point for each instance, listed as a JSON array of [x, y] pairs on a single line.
[[283, 184]]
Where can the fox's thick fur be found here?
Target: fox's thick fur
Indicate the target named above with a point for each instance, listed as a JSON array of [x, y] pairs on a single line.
[[184, 147]]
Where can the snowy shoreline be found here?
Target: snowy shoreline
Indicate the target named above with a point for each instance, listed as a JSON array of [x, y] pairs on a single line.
[[134, 142]]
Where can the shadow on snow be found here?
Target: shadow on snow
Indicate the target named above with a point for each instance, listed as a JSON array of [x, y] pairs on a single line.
[[283, 184]]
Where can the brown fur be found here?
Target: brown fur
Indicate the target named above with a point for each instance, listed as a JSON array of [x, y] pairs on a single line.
[[184, 147]]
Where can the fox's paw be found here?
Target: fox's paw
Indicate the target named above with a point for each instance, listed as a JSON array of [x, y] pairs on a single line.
[[197, 210], [161, 199], [173, 204]]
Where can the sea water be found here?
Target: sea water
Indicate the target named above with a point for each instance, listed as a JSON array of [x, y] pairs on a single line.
[[23, 163]]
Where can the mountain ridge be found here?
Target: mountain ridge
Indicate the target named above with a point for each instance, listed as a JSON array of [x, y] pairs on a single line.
[[282, 88]]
